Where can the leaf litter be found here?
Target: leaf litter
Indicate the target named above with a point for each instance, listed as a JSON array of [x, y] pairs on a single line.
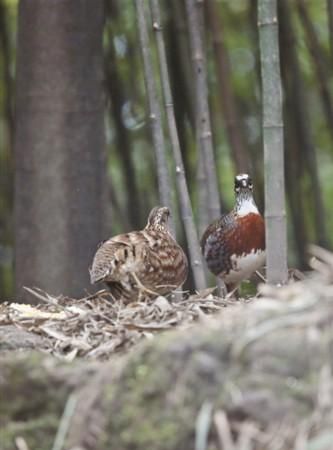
[[96, 326]]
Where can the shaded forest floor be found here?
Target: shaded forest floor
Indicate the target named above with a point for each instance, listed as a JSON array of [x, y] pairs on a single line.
[[202, 373]]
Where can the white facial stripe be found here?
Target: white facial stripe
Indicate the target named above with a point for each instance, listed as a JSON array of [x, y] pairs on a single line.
[[247, 207], [242, 176]]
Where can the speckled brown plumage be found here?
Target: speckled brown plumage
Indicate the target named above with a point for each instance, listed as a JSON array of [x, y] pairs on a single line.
[[149, 261], [234, 245]]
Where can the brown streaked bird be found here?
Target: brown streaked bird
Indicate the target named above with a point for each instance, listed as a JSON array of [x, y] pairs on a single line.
[[148, 262], [234, 245]]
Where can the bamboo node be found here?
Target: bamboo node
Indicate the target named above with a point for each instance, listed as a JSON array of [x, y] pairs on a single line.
[[281, 216], [263, 23], [273, 125]]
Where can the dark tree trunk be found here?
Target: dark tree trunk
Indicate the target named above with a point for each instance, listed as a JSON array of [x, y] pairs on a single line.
[[59, 143]]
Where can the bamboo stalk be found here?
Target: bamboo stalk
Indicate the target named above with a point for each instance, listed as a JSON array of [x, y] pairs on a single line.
[[318, 58], [275, 214], [329, 6], [154, 109], [252, 106], [117, 94], [301, 121], [178, 19], [233, 125], [202, 108], [8, 92], [184, 197], [295, 168], [202, 195]]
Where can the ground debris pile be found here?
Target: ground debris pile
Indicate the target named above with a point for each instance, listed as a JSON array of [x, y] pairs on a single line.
[[96, 326], [257, 376]]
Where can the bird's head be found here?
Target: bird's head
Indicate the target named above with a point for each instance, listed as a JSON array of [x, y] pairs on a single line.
[[243, 183], [245, 203], [158, 218]]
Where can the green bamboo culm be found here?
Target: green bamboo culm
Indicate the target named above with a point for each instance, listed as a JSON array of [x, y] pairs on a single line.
[[272, 122]]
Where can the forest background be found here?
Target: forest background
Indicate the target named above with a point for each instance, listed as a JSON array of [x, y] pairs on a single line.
[[233, 76]]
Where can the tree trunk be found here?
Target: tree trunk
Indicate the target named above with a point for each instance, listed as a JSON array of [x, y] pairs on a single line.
[[59, 143]]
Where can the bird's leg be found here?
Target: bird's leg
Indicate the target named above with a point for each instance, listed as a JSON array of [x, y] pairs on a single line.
[[222, 290], [141, 287], [232, 291]]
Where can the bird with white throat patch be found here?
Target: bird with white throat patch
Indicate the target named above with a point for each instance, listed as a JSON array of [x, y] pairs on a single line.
[[234, 245]]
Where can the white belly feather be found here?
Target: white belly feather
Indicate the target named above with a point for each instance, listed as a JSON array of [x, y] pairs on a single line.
[[244, 266]]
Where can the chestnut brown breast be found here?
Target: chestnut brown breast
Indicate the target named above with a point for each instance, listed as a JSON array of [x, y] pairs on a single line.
[[234, 246]]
